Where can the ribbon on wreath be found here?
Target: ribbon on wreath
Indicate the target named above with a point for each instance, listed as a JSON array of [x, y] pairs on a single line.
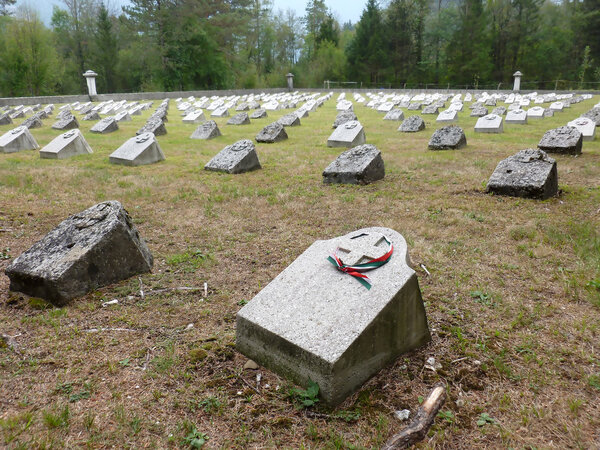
[[357, 270]]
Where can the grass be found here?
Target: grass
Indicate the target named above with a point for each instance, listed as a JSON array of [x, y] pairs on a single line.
[[513, 295]]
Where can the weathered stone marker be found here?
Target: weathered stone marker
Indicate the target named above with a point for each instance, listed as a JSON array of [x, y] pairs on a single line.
[[153, 125], [395, 114], [68, 144], [93, 248], [343, 117], [68, 122], [447, 116], [349, 134], [412, 124], [516, 116], [289, 120], [258, 114], [236, 158], [17, 139], [451, 137], [568, 140], [239, 119], [314, 322], [359, 165], [138, 151], [272, 133], [586, 126], [491, 123], [208, 130], [531, 173], [105, 126]]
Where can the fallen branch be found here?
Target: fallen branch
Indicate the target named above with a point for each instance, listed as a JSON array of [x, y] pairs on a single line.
[[249, 385], [418, 428], [97, 330]]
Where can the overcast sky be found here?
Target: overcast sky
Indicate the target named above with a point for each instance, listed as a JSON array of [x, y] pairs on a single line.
[[344, 10]]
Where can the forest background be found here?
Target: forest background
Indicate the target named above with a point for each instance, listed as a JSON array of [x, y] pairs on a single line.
[[177, 45]]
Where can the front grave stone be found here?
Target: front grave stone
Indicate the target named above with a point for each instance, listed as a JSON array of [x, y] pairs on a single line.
[[68, 122], [68, 144], [499, 111], [431, 109], [272, 133], [447, 116], [451, 137], [537, 112], [91, 249], [236, 158], [593, 114], [350, 134], [92, 116], [316, 323], [412, 124], [566, 140], [479, 112], [207, 130], [137, 151], [586, 126], [105, 126], [359, 165], [196, 116], [5, 119], [33, 122], [343, 117], [16, 140], [239, 119], [516, 116], [491, 123], [531, 173], [154, 126], [258, 114], [394, 114], [289, 120]]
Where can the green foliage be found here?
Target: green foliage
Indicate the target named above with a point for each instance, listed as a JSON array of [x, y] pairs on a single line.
[[194, 438], [306, 397], [484, 419]]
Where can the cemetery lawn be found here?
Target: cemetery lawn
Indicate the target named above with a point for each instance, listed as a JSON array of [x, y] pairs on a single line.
[[511, 289]]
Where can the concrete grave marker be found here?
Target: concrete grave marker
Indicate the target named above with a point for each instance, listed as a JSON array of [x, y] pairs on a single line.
[[236, 158], [92, 116], [415, 106], [272, 133], [196, 116], [537, 112], [123, 116], [33, 122], [359, 165], [207, 130], [451, 137], [258, 114], [239, 119], [67, 122], [479, 111], [289, 120], [16, 140], [349, 134], [68, 144], [447, 116], [531, 173], [516, 116], [137, 151], [5, 119], [153, 125], [593, 114], [105, 126], [343, 117], [431, 109], [220, 112], [586, 126], [93, 248], [313, 322], [491, 123], [394, 114], [499, 111], [412, 124], [567, 140]]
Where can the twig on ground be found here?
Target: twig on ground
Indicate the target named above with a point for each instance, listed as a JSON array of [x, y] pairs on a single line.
[[97, 330], [141, 288], [417, 430], [180, 288], [425, 269], [249, 385], [460, 359], [10, 342]]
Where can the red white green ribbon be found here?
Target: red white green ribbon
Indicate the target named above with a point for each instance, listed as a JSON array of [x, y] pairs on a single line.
[[357, 270]]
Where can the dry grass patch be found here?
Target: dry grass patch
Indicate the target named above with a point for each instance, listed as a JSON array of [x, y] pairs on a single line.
[[512, 296]]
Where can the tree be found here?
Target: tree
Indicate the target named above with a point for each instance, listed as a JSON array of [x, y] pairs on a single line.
[[316, 14], [366, 55], [5, 5], [329, 31], [105, 53]]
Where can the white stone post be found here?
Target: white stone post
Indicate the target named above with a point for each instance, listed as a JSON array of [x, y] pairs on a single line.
[[290, 81], [517, 85], [90, 77]]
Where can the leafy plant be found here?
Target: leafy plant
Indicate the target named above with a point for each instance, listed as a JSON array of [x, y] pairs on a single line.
[[195, 438], [306, 397], [5, 253], [484, 419], [448, 416], [482, 297]]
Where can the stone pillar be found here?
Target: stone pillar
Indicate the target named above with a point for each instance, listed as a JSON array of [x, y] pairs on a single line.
[[517, 85], [90, 77], [290, 81]]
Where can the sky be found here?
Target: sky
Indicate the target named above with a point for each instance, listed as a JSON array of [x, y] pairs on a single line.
[[343, 10]]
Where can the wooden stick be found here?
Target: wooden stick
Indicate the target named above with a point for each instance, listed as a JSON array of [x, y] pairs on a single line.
[[418, 428]]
